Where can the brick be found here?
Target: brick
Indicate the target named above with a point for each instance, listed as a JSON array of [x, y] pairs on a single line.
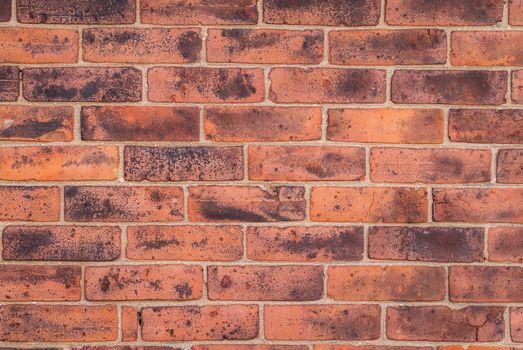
[[486, 125], [249, 347], [441, 323], [515, 12], [370, 347], [140, 123], [130, 323], [322, 322], [209, 322], [183, 163], [39, 283], [9, 83], [449, 87], [199, 12], [388, 47], [124, 347], [118, 203], [150, 45], [430, 165], [29, 203], [202, 243], [5, 10], [36, 123], [399, 283], [516, 324], [474, 49], [510, 166], [246, 203], [145, 282], [314, 12], [58, 323], [478, 205], [280, 283], [517, 86], [61, 243], [386, 125], [306, 163], [76, 11], [445, 13], [298, 243], [29, 45], [82, 84], [265, 46], [359, 204], [57, 163], [241, 124], [327, 85], [505, 244], [485, 284], [440, 244]]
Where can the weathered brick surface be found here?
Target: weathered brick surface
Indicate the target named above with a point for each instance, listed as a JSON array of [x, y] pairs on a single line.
[[505, 244], [9, 85]]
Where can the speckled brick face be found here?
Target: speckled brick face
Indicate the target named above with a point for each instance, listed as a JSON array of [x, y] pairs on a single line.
[[261, 174]]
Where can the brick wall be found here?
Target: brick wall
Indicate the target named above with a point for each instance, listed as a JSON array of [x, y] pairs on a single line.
[[261, 175]]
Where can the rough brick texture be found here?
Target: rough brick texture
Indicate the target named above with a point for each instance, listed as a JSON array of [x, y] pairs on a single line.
[[261, 174]]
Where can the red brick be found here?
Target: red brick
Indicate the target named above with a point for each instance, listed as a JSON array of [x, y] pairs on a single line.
[[369, 204], [291, 283], [9, 83], [327, 85], [246, 203], [517, 86], [183, 163], [388, 47], [486, 125], [481, 284], [441, 244], [140, 123], [322, 322], [265, 46], [515, 12], [478, 205], [205, 85], [209, 322], [441, 323], [76, 11], [199, 12], [315, 12], [36, 123], [58, 323], [79, 84], [475, 49], [510, 166], [430, 165], [29, 45], [61, 243], [29, 203], [386, 125], [240, 124], [370, 347], [505, 244], [130, 323], [401, 283], [150, 45], [249, 347], [57, 163], [516, 324], [306, 163], [5, 10], [298, 243], [203, 243], [145, 282], [39, 283], [118, 203], [443, 12], [449, 87]]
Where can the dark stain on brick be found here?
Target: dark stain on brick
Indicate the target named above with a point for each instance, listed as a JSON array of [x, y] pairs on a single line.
[[239, 86], [190, 45], [32, 128], [215, 211], [184, 290]]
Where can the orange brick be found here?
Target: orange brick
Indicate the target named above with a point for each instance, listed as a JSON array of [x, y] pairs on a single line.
[[306, 163], [249, 347], [56, 163], [401, 283], [516, 324], [372, 347], [505, 244], [42, 45], [209, 322], [510, 166], [475, 49], [381, 125], [31, 203], [515, 12], [145, 282], [369, 204], [214, 243], [265, 46], [130, 323], [9, 83]]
